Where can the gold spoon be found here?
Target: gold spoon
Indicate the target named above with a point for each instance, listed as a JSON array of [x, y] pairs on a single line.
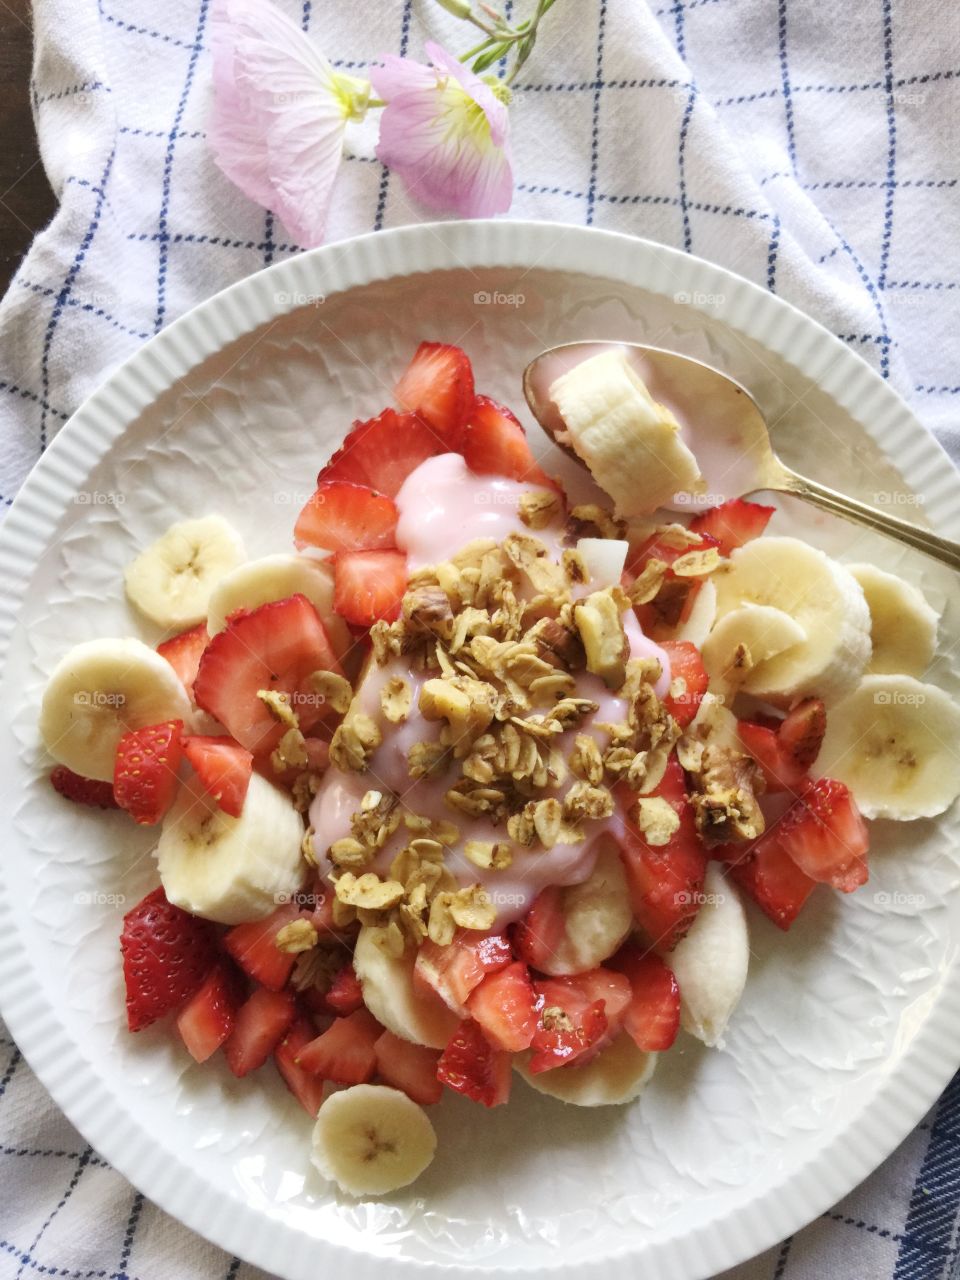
[[737, 435]]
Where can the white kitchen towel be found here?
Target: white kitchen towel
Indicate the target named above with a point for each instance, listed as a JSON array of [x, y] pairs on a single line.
[[810, 147]]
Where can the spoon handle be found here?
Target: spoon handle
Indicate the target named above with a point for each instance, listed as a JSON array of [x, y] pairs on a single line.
[[839, 504]]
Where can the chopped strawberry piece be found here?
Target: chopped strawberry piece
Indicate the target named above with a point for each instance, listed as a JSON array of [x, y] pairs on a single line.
[[382, 452], [253, 945], [801, 734], [88, 791], [471, 1065], [345, 1051], [145, 770], [224, 768], [184, 651], [665, 881], [369, 585], [410, 1067], [305, 1087], [209, 1015], [454, 971], [262, 1022], [826, 836], [343, 516], [167, 953], [496, 444], [504, 1005], [674, 600], [686, 665], [733, 523], [345, 994], [538, 936], [612, 988], [763, 744], [276, 647], [438, 387], [569, 1023], [321, 901], [652, 1017], [772, 879]]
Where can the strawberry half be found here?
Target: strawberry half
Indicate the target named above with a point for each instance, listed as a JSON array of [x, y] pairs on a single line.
[[410, 1067], [505, 1006], [254, 947], [262, 1022], [342, 516], [826, 836], [381, 452], [495, 444], [769, 876], [345, 995], [344, 1052], [145, 770], [306, 1088], [686, 665], [167, 953], [454, 971], [438, 387], [184, 651], [224, 768], [652, 1017], [569, 1022], [763, 744], [87, 791], [472, 1066], [369, 585], [208, 1017], [275, 647], [733, 523]]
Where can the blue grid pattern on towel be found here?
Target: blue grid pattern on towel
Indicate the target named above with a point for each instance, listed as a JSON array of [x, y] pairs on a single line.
[[795, 213]]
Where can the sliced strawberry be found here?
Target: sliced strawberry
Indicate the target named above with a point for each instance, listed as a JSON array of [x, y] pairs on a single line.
[[826, 836], [88, 791], [224, 768], [342, 516], [674, 601], [772, 879], [369, 585], [472, 1066], [665, 881], [686, 665], [652, 1017], [610, 987], [345, 1052], [167, 953], [733, 523], [184, 651], [538, 936], [454, 971], [382, 452], [305, 1087], [275, 647], [779, 772], [438, 387], [262, 1021], [569, 1023], [345, 994], [495, 443], [504, 1005], [209, 1015], [145, 770], [410, 1067], [801, 734], [253, 946]]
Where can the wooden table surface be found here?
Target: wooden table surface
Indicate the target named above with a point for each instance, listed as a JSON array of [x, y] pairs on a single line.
[[26, 201]]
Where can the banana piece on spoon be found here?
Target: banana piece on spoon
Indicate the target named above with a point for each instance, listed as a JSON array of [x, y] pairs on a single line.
[[170, 582]]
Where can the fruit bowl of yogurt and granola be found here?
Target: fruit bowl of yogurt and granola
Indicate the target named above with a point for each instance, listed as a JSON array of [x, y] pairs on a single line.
[[479, 784]]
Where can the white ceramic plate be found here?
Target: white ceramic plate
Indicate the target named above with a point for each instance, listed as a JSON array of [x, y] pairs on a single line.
[[851, 1023]]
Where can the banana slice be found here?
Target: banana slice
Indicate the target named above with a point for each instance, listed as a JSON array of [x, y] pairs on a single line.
[[391, 997], [893, 742], [231, 869], [746, 637], [903, 626], [825, 601], [710, 962], [597, 916], [98, 691], [170, 582], [630, 444], [370, 1139], [274, 578], [616, 1075]]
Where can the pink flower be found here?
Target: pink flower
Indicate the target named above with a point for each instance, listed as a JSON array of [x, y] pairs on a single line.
[[279, 113], [446, 133]]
